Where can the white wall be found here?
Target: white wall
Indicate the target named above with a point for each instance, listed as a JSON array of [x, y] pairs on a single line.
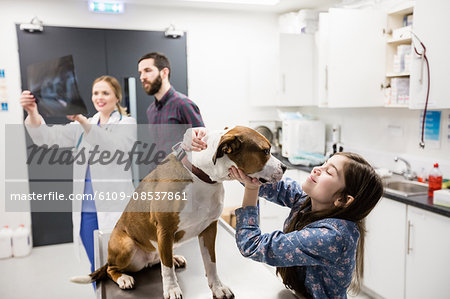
[[219, 44], [382, 133]]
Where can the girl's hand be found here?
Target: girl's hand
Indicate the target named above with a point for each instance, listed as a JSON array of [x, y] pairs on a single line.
[[79, 118], [192, 139], [237, 174], [28, 103]]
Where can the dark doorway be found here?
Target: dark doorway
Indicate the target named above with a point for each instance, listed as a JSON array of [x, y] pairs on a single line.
[[95, 52]]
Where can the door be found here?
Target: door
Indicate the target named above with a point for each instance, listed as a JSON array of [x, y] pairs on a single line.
[[87, 48], [95, 52], [296, 65], [356, 62], [430, 17], [123, 49], [322, 41], [427, 261], [384, 255]]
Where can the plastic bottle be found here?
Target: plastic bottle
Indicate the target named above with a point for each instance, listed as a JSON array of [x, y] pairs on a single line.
[[434, 180], [6, 242], [21, 241], [422, 176]]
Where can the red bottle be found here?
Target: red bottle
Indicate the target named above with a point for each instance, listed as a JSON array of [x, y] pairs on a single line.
[[434, 180]]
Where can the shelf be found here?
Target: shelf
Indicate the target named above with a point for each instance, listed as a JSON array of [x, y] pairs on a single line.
[[403, 9], [399, 41], [397, 106], [393, 75]]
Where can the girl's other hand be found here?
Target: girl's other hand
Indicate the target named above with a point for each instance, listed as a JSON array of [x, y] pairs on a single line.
[[249, 182], [192, 139]]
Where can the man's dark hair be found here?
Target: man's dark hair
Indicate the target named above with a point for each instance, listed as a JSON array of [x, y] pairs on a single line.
[[161, 61]]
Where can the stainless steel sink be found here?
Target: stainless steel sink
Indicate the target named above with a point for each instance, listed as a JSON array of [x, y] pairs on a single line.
[[406, 188]]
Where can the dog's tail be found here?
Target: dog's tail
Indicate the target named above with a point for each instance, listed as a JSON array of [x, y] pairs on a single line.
[[98, 274]]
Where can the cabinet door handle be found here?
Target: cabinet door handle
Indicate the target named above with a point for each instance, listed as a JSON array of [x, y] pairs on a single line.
[[326, 77], [283, 82], [410, 249]]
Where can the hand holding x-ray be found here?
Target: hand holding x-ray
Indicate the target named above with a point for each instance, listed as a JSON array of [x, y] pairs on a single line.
[[53, 84]]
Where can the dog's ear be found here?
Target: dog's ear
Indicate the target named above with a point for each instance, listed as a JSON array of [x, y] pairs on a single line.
[[229, 143]]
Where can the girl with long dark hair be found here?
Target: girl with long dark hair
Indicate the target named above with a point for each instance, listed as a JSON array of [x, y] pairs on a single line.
[[319, 253]]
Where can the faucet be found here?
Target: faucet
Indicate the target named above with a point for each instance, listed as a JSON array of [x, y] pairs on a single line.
[[408, 173]]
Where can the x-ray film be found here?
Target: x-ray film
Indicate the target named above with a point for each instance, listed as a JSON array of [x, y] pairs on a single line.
[[53, 83]]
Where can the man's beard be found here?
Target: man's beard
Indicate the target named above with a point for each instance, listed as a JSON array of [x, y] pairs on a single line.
[[154, 87]]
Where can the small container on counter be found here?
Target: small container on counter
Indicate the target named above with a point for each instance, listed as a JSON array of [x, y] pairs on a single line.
[[21, 241], [6, 242], [422, 176]]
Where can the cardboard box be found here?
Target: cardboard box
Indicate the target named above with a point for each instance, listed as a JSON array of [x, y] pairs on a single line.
[[229, 216]]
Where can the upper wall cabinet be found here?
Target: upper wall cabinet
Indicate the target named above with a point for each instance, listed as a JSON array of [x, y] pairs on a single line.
[[296, 70], [430, 23], [322, 44], [352, 67], [292, 84], [356, 54]]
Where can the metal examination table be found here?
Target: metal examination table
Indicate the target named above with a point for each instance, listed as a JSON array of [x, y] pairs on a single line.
[[246, 278]]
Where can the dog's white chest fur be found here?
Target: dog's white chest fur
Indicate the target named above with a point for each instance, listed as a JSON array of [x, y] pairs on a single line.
[[205, 206]]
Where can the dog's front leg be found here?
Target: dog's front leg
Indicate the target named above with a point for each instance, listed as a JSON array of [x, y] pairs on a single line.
[[207, 240], [165, 246]]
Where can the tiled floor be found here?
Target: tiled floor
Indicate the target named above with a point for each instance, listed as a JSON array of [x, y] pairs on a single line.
[[45, 274]]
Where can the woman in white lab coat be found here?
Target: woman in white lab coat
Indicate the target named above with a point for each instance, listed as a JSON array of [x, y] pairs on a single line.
[[110, 129]]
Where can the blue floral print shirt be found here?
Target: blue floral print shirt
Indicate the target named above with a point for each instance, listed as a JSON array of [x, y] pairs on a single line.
[[326, 248]]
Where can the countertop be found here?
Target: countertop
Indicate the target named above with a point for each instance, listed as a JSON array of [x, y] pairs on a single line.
[[246, 278], [420, 201]]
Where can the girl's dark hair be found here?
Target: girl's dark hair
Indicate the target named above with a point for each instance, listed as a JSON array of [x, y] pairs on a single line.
[[365, 186]]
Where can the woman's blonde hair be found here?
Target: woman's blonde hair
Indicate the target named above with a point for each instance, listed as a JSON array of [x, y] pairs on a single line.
[[115, 85]]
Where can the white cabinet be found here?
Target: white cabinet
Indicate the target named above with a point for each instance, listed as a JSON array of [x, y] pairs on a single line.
[[356, 55], [428, 256], [296, 70], [292, 84], [407, 252], [322, 40], [384, 256], [430, 23]]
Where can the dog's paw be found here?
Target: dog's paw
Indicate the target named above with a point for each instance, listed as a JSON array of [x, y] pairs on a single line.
[[221, 292], [173, 293], [179, 261], [125, 282]]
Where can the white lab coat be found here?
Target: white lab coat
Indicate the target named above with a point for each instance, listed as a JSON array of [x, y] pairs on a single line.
[[110, 177]]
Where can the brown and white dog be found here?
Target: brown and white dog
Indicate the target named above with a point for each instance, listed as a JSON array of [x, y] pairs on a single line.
[[146, 233]]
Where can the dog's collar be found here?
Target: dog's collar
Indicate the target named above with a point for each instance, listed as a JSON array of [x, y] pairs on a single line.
[[180, 154]]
